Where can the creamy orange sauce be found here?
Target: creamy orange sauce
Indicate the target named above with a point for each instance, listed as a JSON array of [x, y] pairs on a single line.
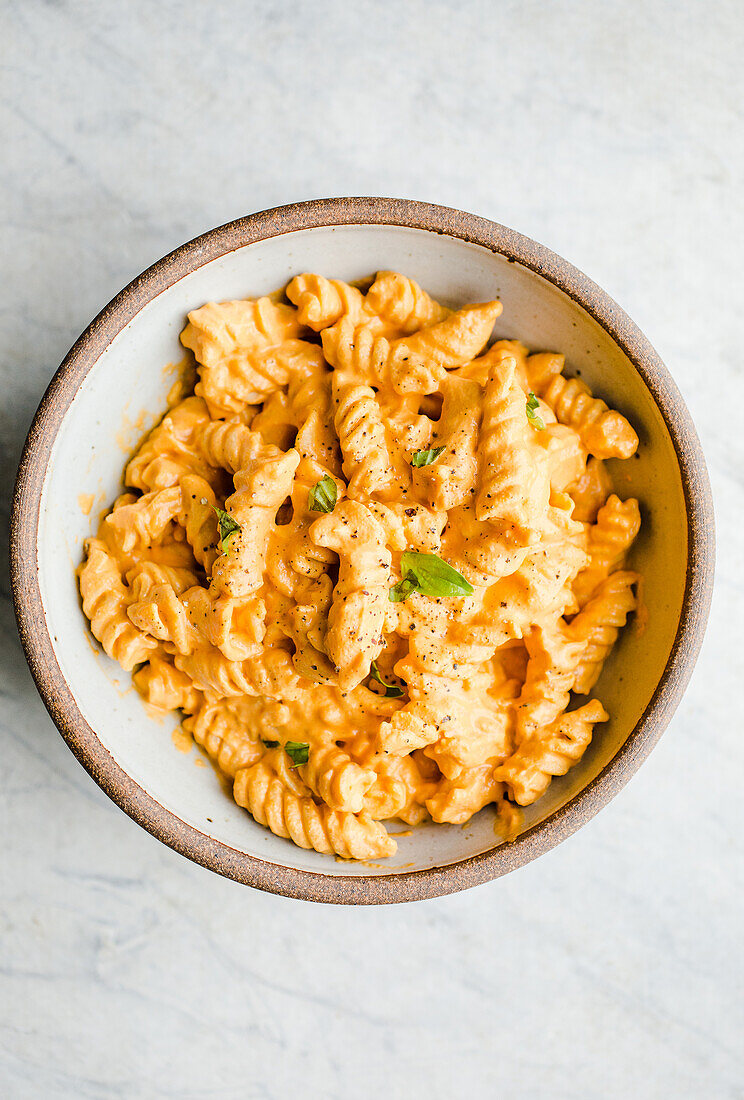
[[130, 430], [184, 381], [182, 740]]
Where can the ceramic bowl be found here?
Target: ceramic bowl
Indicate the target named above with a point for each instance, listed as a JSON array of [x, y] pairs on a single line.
[[113, 385]]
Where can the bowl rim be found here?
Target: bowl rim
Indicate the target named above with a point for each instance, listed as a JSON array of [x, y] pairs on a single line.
[[58, 697]]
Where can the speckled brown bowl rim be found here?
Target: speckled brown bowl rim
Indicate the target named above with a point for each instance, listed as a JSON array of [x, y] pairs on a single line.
[[56, 693]]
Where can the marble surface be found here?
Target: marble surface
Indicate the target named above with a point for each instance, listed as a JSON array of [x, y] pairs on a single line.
[[611, 967]]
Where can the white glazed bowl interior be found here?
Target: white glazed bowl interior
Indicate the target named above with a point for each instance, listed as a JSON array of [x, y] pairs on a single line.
[[124, 394]]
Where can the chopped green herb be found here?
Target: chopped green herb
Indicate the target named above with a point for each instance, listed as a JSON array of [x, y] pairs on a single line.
[[402, 590], [425, 458], [392, 691], [270, 744], [323, 495], [227, 528], [298, 752], [429, 575], [532, 406]]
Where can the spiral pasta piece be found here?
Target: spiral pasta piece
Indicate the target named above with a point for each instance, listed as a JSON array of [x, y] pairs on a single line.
[[272, 674], [261, 487], [590, 491], [357, 348], [309, 825], [604, 432], [618, 523], [263, 477], [170, 450], [478, 369], [483, 731], [546, 576], [234, 344], [105, 603], [403, 303], [198, 518], [322, 302], [155, 609], [222, 728], [360, 598], [548, 752], [334, 777], [599, 624], [162, 685], [485, 552], [179, 579], [366, 457], [435, 670], [449, 480], [554, 658], [235, 625], [145, 520], [418, 363], [457, 799], [401, 788], [230, 444], [507, 490], [542, 368], [415, 364]]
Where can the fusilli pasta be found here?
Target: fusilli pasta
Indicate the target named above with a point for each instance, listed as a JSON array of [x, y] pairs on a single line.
[[372, 559]]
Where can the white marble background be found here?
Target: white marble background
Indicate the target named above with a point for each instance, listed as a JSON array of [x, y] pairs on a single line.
[[611, 131]]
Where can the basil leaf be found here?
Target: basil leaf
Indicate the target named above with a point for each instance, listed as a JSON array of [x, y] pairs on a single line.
[[432, 576], [392, 691], [402, 590], [298, 752], [323, 495], [270, 744], [425, 458], [227, 527], [532, 406]]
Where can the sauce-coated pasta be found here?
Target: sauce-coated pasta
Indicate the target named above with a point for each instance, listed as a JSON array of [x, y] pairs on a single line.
[[372, 558]]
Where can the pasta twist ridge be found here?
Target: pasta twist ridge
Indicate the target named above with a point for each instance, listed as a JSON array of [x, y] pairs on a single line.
[[221, 730], [332, 775], [170, 450], [549, 752], [360, 598], [322, 302], [366, 457], [604, 432], [599, 624], [402, 302], [618, 523], [105, 602], [506, 490], [308, 824], [162, 685], [145, 520], [554, 658], [270, 674]]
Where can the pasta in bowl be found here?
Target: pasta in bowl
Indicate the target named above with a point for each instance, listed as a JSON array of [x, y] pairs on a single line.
[[358, 693], [375, 559]]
